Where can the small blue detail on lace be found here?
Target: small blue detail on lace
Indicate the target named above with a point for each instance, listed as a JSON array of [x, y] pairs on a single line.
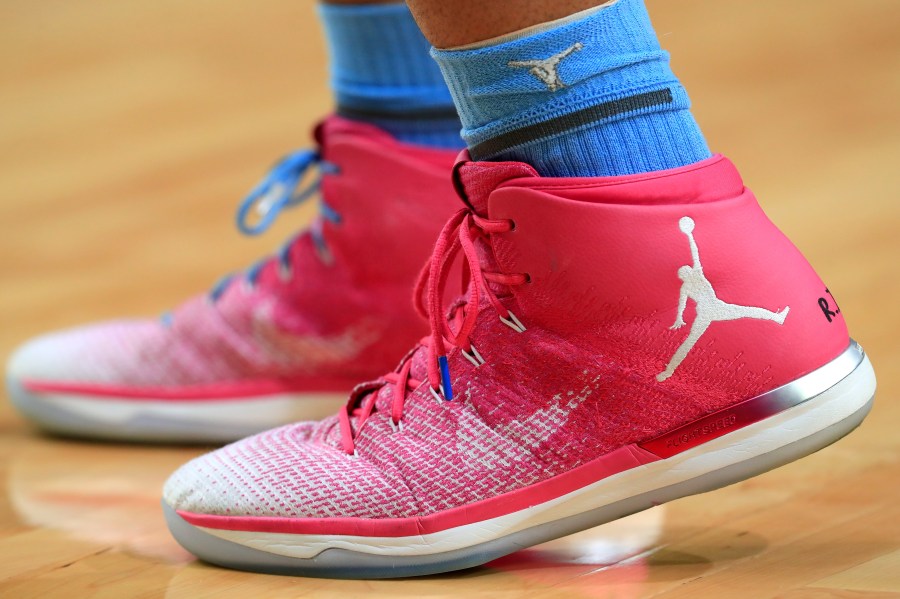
[[444, 366]]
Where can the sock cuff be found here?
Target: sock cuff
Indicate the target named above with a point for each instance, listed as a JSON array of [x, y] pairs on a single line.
[[380, 61], [606, 57], [487, 143]]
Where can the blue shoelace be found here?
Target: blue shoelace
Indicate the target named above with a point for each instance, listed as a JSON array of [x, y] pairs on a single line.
[[275, 193]]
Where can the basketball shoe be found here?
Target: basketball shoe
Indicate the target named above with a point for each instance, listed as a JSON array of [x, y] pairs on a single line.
[[285, 340], [622, 342]]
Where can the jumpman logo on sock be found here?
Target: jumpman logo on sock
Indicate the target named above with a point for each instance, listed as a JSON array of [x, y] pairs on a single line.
[[545, 69], [709, 308]]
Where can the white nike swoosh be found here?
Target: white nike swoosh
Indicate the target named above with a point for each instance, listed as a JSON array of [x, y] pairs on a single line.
[[309, 351], [516, 440]]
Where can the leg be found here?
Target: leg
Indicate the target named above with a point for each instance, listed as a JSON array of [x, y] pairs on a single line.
[[464, 22], [726, 311], [575, 88], [697, 329]]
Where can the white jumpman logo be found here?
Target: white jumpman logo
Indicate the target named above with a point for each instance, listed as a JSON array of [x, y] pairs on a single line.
[[545, 68], [709, 308]]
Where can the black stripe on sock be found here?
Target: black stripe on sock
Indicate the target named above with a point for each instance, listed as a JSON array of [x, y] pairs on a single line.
[[422, 114], [567, 122]]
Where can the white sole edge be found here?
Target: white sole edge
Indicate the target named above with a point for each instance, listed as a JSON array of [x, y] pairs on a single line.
[[848, 400], [126, 419]]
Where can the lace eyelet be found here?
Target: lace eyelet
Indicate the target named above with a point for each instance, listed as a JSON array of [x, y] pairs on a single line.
[[513, 322], [474, 357], [512, 225], [285, 273], [439, 396], [325, 255], [527, 279]]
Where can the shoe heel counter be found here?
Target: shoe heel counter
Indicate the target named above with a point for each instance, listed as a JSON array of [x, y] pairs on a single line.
[[702, 290], [752, 312], [813, 330]]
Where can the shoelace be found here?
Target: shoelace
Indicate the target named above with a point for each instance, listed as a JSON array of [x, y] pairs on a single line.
[[275, 193], [453, 330]]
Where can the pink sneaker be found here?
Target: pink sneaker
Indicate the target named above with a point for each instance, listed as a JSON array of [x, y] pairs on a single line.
[[284, 341], [624, 342]]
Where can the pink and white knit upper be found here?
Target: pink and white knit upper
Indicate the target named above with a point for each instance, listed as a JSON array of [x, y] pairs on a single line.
[[329, 324], [601, 291]]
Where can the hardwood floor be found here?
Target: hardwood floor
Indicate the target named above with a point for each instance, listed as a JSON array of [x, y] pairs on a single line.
[[130, 130]]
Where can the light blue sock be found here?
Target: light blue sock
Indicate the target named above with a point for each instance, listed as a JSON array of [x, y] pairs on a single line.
[[382, 74], [591, 95]]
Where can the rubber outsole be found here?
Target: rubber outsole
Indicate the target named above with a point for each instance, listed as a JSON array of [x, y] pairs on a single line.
[[150, 422], [344, 563]]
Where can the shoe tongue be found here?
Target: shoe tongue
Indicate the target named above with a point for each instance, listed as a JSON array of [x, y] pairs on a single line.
[[476, 180]]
